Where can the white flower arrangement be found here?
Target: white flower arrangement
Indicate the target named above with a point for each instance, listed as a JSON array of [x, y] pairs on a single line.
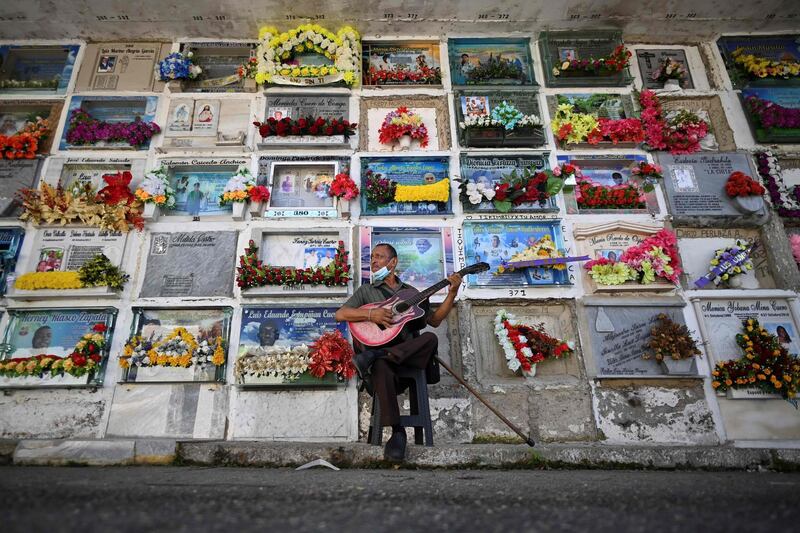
[[487, 121], [505, 342], [477, 192], [155, 188], [275, 50], [287, 363], [242, 180]]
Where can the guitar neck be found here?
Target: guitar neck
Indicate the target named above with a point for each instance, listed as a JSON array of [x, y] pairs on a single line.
[[430, 291]]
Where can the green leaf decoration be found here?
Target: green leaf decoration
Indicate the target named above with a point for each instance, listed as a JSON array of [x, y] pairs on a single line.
[[504, 206]]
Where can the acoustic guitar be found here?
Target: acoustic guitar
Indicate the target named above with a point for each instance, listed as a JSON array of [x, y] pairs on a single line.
[[405, 307]]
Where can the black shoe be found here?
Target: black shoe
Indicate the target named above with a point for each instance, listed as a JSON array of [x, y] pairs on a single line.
[[395, 450], [363, 362]]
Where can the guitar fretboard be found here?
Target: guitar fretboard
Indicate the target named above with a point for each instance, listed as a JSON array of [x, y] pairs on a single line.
[[430, 291]]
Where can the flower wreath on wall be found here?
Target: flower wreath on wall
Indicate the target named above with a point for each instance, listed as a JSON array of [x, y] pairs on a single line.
[[655, 258], [252, 272], [280, 56], [785, 199], [330, 353], [571, 127], [526, 345], [25, 143], [529, 185], [178, 349], [379, 190], [766, 364], [97, 272], [85, 358], [113, 207], [728, 264]]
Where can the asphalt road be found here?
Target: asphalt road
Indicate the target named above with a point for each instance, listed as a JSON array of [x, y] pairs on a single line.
[[252, 499]]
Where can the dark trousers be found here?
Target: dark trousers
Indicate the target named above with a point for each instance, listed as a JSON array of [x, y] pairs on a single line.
[[413, 353]]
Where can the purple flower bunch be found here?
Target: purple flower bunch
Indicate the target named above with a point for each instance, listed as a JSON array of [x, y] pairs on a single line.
[[84, 129], [763, 160], [771, 115]]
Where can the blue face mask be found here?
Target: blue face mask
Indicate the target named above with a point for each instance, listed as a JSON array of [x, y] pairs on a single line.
[[380, 275]]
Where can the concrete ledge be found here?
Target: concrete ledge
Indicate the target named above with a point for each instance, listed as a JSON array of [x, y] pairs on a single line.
[[155, 451], [74, 452], [360, 455], [7, 447]]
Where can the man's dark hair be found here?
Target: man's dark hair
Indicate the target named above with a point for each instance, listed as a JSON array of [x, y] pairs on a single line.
[[392, 251]]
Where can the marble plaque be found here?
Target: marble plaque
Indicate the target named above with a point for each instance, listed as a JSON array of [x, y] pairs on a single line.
[[650, 61], [723, 321], [618, 335], [296, 106], [120, 67], [15, 175], [697, 247], [189, 264], [695, 184], [67, 249]]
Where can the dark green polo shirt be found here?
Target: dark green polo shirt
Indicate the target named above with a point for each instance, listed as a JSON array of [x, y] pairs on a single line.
[[379, 291]]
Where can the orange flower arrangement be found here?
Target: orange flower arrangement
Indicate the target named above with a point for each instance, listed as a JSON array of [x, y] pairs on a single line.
[[25, 143]]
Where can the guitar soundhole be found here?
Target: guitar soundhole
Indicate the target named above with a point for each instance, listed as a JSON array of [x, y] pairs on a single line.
[[401, 307]]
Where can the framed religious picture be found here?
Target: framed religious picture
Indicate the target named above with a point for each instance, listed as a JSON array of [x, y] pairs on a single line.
[[177, 345]]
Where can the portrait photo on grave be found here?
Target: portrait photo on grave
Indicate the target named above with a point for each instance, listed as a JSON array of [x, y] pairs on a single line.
[[302, 185], [198, 190]]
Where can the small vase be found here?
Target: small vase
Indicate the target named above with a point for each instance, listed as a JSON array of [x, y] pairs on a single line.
[[250, 85], [404, 143], [151, 212], [672, 85], [749, 204], [344, 207], [678, 367], [238, 210], [175, 86], [255, 208]]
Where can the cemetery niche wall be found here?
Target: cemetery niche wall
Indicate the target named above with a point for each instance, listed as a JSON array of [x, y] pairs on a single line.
[[37, 69], [498, 118], [749, 412], [220, 61]]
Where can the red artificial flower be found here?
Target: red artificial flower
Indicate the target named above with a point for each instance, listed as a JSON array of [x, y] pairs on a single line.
[[99, 328]]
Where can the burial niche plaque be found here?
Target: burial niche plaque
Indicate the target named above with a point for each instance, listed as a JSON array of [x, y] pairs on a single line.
[[15, 175], [650, 61], [199, 263], [561, 47], [121, 67]]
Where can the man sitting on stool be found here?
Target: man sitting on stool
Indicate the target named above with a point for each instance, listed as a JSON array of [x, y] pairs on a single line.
[[377, 366]]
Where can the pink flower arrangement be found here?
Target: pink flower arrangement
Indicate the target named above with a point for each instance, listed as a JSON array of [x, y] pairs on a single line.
[[794, 241], [85, 129], [681, 135], [661, 250], [403, 121]]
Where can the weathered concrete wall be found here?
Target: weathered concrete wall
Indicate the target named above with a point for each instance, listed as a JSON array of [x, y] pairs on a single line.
[[52, 414]]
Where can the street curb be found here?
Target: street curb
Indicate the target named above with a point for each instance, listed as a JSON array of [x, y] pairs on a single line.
[[493, 456], [110, 452]]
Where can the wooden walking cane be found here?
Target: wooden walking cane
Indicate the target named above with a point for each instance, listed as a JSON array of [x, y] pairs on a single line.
[[529, 441]]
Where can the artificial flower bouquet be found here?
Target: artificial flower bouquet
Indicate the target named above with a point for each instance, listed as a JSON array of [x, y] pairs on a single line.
[[379, 190], [497, 68], [794, 243], [649, 173], [248, 69], [543, 248], [785, 199], [402, 121], [85, 358], [97, 272], [113, 207], [401, 74], [591, 195], [329, 354], [252, 272], [155, 188], [679, 135], [237, 190], [529, 185], [757, 67], [343, 187], [670, 341], [279, 55], [83, 129], [308, 126], [178, 66], [503, 121], [524, 346], [25, 143], [608, 65], [669, 69], [178, 349], [655, 258], [728, 264], [740, 184], [766, 364], [572, 127], [771, 117]]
